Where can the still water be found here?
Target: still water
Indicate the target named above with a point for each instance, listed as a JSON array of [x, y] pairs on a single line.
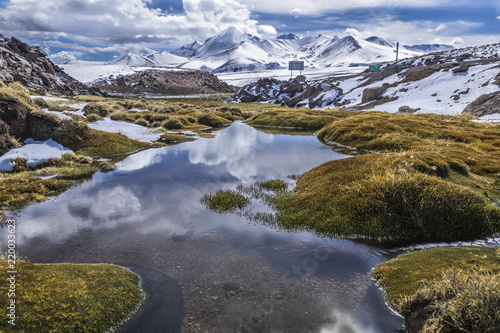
[[206, 272]]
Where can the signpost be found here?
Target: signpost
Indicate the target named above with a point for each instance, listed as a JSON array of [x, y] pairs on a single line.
[[374, 68], [295, 66]]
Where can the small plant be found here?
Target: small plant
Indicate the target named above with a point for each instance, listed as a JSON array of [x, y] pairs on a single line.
[[225, 201], [273, 185], [19, 165]]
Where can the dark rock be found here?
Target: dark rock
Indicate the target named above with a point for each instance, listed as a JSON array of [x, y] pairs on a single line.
[[407, 109], [371, 94], [30, 66], [461, 69], [247, 96], [231, 286], [295, 100], [484, 105]]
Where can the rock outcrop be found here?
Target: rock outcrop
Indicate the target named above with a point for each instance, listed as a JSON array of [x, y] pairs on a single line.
[[30, 66], [291, 93], [20, 119], [371, 94], [164, 82], [484, 105]]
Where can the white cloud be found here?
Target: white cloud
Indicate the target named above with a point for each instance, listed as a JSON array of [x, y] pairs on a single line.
[[63, 57], [297, 12], [316, 7], [125, 21], [440, 27], [352, 32]]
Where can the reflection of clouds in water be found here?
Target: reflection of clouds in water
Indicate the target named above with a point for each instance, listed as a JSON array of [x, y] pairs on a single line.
[[345, 322], [107, 208], [235, 146], [106, 205], [141, 159]]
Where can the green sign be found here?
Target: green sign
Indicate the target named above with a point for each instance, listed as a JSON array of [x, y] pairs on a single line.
[[374, 68]]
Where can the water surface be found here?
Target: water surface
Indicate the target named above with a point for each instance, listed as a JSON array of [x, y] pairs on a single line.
[[207, 272]]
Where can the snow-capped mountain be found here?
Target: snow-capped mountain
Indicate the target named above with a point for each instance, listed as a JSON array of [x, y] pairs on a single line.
[[233, 50], [379, 41], [165, 59], [428, 48], [132, 59]]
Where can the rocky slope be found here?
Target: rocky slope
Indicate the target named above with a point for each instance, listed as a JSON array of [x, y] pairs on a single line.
[[164, 82], [30, 66], [446, 82]]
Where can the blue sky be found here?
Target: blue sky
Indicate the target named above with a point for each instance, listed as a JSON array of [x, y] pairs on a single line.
[[100, 29]]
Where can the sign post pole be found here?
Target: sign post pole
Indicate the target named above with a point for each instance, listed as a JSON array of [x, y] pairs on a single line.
[[295, 66]]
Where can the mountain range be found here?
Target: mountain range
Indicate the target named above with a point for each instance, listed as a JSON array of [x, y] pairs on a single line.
[[233, 50]]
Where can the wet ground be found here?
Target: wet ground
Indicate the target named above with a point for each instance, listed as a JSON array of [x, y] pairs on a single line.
[[206, 272]]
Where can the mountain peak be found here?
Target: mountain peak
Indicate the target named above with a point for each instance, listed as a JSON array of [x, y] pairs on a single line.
[[379, 41], [287, 36]]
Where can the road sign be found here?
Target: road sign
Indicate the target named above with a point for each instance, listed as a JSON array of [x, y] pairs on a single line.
[[374, 68], [296, 65]]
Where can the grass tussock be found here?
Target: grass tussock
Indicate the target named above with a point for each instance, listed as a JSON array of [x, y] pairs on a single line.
[[69, 297], [53, 105], [299, 119], [22, 187], [225, 201], [213, 120], [174, 138], [355, 199], [273, 185], [445, 289], [100, 109], [86, 141]]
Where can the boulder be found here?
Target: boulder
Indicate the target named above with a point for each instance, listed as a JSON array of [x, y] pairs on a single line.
[[484, 105], [371, 94], [247, 96], [407, 109]]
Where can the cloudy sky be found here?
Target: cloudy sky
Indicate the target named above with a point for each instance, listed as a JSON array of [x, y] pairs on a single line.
[[99, 29]]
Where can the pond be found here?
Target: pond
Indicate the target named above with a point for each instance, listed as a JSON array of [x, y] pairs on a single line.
[[207, 272]]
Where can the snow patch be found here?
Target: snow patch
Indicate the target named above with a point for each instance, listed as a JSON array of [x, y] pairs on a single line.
[[34, 152]]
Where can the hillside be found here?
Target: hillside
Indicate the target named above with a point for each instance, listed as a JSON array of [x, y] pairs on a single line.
[[164, 82], [30, 66], [445, 82]]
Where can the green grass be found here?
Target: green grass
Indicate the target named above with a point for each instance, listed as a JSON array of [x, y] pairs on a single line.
[[174, 138], [298, 119], [53, 105], [69, 297], [22, 188], [366, 198], [273, 185], [445, 289], [225, 201], [213, 120], [86, 141]]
